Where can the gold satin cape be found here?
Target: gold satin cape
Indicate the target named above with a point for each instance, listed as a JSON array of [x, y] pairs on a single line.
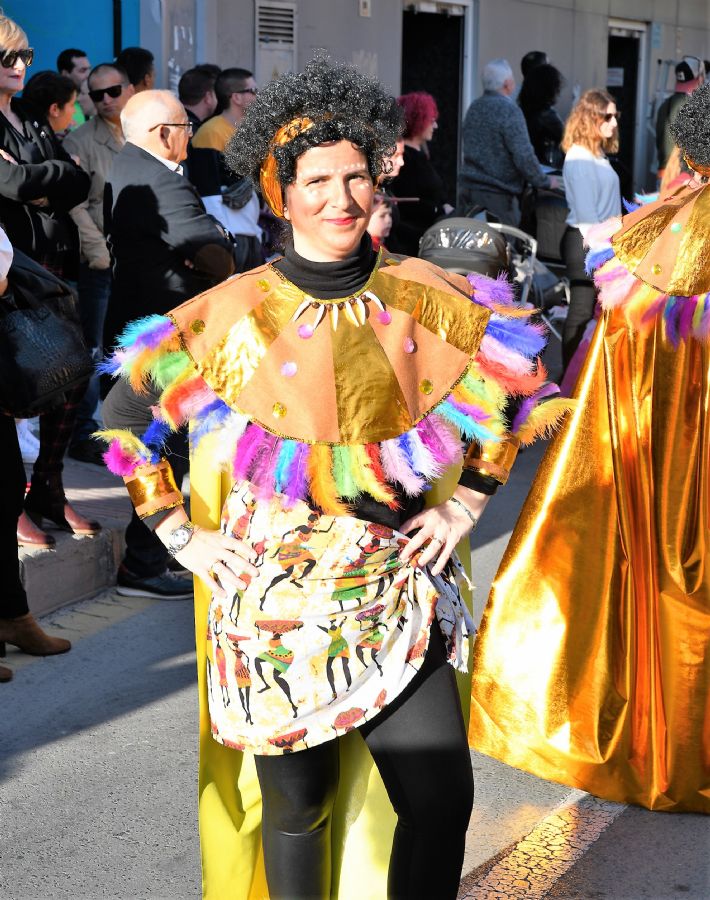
[[229, 796], [592, 665]]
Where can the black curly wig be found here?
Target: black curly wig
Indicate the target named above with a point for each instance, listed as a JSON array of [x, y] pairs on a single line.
[[691, 128], [343, 103]]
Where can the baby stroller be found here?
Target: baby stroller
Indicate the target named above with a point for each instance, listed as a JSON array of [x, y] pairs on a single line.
[[474, 244]]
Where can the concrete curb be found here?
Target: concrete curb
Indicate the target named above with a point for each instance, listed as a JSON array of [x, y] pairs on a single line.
[[78, 568]]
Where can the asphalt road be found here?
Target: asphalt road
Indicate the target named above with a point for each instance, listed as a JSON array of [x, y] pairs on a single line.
[[98, 766]]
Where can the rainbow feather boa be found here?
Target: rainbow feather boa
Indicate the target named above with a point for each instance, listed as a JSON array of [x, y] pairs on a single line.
[[507, 364], [682, 317]]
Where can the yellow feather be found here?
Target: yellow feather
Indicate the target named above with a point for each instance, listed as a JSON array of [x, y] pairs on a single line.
[[365, 477], [128, 441], [545, 419], [322, 484]]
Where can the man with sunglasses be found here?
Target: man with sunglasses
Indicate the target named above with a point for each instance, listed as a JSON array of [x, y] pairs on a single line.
[[96, 144], [227, 197]]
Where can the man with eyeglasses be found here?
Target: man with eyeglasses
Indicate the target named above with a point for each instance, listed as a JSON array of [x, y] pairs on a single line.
[[96, 144], [227, 197], [166, 249]]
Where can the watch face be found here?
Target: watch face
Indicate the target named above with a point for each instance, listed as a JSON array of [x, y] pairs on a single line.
[[180, 538]]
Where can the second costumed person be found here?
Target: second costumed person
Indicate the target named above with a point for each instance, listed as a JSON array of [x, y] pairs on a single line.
[[332, 387]]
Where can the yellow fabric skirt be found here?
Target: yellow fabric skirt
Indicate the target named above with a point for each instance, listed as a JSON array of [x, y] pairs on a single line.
[[229, 796], [592, 666]]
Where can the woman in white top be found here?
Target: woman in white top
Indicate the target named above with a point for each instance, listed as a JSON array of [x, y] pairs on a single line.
[[593, 196]]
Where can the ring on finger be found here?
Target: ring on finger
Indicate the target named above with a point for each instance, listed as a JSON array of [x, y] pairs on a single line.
[[436, 540]]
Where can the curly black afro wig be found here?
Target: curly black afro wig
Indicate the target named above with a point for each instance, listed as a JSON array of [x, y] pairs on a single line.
[[343, 103], [691, 128]]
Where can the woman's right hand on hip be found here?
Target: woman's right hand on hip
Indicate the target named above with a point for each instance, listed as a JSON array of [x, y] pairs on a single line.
[[224, 563]]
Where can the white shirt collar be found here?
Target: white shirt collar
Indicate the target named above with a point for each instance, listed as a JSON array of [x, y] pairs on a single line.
[[173, 166]]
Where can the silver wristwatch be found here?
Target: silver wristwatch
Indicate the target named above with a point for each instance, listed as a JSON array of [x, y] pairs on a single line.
[[180, 537]]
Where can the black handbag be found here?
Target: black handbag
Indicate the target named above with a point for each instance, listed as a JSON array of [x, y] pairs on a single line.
[[42, 351]]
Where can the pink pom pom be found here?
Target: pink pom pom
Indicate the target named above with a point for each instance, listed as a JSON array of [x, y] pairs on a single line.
[[118, 461], [289, 369], [409, 345], [305, 331], [384, 317]]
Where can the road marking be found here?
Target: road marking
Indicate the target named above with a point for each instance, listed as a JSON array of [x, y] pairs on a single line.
[[543, 856]]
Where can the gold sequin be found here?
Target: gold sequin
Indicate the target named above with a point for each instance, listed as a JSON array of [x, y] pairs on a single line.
[[656, 269], [426, 386], [263, 285], [197, 326], [279, 410]]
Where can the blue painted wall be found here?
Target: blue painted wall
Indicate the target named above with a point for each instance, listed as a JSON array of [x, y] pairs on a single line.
[[53, 26]]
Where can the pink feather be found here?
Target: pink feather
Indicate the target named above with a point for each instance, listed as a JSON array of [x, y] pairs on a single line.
[[118, 461], [437, 436], [247, 449], [263, 475], [495, 351]]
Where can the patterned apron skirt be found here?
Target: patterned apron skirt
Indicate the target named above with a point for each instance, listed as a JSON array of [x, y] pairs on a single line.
[[332, 629]]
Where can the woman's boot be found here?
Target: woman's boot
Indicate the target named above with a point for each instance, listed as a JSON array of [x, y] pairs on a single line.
[[25, 633]]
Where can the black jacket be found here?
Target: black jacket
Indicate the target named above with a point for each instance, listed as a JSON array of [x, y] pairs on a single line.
[[417, 178], [39, 231], [155, 224]]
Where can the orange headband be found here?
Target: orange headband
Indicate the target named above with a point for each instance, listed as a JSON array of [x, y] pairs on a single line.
[[269, 173], [701, 170]]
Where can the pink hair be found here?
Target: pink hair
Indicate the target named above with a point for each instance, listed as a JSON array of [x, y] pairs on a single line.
[[419, 110]]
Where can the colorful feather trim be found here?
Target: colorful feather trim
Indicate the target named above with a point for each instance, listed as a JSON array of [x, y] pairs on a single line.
[[507, 364], [682, 317]]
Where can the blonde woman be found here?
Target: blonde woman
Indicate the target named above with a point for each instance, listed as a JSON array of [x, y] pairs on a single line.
[[593, 196]]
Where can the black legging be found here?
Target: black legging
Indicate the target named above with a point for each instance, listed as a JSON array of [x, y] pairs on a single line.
[[582, 293], [13, 600], [420, 749]]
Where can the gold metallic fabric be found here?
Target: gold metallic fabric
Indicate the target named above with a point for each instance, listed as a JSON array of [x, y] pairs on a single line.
[[665, 243], [493, 458], [373, 380], [152, 489], [592, 666]]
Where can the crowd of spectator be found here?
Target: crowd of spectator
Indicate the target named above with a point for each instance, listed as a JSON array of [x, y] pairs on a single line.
[[124, 192]]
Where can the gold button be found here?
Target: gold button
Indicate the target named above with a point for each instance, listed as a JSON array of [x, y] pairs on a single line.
[[263, 285], [279, 410], [426, 386], [197, 326]]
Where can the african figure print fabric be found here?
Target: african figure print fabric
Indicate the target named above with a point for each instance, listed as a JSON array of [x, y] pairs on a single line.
[[331, 630]]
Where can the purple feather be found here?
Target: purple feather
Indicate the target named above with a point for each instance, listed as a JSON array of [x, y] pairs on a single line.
[[527, 406], [297, 484], [685, 320], [490, 291], [262, 475], [398, 468]]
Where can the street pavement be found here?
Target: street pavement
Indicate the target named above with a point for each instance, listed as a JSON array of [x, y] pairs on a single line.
[[98, 770]]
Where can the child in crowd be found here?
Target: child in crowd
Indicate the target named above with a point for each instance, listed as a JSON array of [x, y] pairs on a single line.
[[380, 223]]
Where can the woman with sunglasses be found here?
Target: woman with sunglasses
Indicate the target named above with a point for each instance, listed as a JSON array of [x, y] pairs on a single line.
[[39, 184], [593, 196]]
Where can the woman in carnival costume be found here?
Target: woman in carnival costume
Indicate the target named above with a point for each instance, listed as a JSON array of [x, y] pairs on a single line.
[[334, 385], [592, 665]]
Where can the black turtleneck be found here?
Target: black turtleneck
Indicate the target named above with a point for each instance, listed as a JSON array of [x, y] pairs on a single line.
[[329, 280]]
